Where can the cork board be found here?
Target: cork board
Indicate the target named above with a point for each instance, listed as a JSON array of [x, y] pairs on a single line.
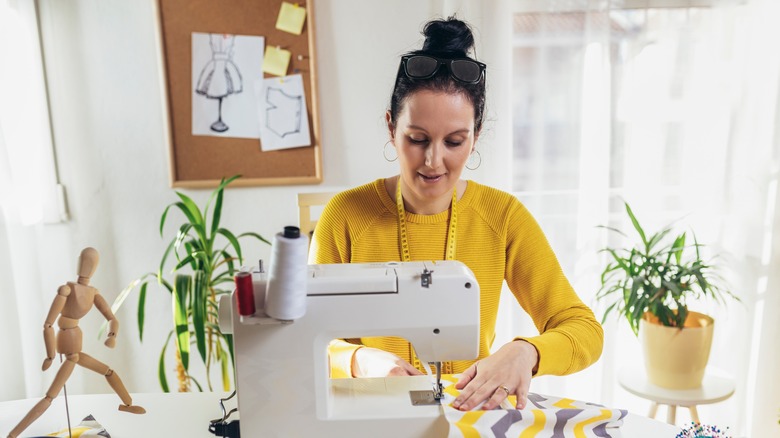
[[203, 160]]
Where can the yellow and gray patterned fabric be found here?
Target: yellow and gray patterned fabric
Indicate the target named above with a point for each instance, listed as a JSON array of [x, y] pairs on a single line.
[[543, 417], [88, 428]]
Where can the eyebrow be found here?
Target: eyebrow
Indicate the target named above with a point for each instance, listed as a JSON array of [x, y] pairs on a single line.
[[466, 130]]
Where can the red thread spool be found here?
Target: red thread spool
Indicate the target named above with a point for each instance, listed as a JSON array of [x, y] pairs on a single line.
[[246, 294]]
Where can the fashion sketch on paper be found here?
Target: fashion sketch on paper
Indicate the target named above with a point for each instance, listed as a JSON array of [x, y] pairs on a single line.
[[220, 77], [283, 112]]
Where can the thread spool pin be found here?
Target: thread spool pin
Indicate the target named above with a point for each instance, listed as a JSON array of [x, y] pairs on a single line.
[[292, 232]]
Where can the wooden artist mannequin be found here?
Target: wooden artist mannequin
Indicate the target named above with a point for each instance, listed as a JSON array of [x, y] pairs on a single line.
[[73, 301]]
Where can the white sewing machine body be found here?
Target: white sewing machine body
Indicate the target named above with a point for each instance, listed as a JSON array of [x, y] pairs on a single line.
[[282, 369]]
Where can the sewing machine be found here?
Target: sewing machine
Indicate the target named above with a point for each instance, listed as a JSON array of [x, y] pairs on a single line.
[[282, 367]]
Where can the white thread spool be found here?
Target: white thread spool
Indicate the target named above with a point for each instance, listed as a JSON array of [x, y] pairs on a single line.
[[286, 294]]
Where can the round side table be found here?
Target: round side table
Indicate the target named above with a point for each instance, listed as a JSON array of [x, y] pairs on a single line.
[[714, 388]]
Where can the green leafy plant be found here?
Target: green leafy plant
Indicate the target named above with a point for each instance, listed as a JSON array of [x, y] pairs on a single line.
[[657, 277], [205, 258]]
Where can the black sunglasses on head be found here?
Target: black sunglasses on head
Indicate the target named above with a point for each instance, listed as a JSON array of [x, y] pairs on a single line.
[[462, 69]]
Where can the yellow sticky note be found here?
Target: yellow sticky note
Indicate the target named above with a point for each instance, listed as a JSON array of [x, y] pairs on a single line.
[[291, 18], [276, 61]]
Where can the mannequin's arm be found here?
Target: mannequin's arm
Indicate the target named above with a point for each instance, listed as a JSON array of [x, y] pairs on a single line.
[[48, 331], [113, 323]]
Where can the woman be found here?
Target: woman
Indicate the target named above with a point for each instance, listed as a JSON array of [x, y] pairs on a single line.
[[428, 213]]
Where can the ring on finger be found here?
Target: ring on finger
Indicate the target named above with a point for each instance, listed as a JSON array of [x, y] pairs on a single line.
[[505, 389]]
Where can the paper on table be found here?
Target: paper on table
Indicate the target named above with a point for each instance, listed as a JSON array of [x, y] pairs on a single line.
[[224, 68], [88, 428], [291, 18], [284, 121], [276, 60]]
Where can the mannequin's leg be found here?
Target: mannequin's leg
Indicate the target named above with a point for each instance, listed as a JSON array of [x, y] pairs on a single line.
[[56, 386], [95, 365]]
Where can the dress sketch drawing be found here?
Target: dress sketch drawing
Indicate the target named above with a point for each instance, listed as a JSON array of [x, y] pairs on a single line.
[[283, 112], [220, 77]]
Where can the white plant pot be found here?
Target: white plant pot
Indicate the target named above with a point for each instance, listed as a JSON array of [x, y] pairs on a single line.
[[676, 358]]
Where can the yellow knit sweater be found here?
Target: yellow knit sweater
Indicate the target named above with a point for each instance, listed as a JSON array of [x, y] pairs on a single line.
[[497, 238]]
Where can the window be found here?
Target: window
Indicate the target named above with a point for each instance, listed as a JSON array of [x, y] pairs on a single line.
[[673, 109], [614, 104], [31, 192]]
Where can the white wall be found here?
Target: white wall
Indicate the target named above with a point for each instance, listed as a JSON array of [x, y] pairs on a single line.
[[106, 102]]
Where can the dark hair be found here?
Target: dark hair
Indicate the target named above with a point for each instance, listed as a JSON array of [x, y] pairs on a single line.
[[450, 38]]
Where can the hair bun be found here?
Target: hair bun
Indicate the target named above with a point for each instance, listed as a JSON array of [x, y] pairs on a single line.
[[451, 37]]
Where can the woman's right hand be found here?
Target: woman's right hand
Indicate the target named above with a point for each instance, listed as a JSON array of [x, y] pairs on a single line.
[[373, 362]]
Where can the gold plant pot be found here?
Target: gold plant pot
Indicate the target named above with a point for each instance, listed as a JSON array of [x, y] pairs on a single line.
[[676, 358]]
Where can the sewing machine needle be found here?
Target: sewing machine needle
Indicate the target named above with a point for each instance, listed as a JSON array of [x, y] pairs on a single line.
[[437, 392]]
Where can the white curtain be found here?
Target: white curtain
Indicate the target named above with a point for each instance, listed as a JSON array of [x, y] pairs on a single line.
[[29, 198], [673, 109]]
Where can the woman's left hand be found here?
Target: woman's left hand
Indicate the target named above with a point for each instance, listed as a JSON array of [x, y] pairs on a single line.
[[494, 378]]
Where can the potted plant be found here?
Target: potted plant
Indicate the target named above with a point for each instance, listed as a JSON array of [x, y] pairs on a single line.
[[205, 257], [651, 283]]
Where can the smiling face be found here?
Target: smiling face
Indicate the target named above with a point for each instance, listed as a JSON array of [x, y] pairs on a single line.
[[434, 136]]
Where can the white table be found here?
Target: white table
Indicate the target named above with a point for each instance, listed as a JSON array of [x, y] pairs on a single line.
[[187, 415], [715, 387]]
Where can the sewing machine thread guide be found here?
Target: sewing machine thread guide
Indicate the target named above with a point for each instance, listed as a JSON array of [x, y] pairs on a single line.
[[426, 278]]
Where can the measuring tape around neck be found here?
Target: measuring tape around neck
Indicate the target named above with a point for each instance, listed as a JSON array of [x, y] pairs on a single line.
[[450, 245]]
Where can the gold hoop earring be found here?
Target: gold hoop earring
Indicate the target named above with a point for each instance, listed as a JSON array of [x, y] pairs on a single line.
[[384, 152], [470, 163]]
